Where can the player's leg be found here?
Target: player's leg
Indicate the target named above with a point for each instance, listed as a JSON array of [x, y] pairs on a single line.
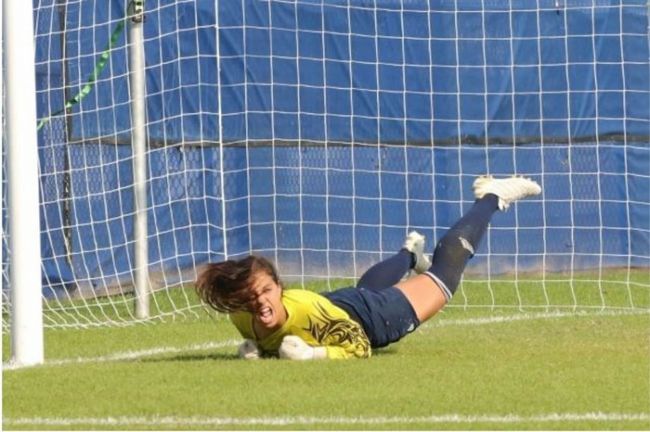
[[390, 271], [430, 291]]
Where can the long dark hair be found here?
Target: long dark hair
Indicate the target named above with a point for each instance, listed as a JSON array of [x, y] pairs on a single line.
[[225, 286]]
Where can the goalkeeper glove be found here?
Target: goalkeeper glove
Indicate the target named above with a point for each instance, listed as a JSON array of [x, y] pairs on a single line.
[[294, 348], [248, 350]]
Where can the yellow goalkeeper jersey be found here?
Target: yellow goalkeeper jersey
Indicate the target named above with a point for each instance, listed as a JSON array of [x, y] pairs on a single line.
[[314, 319]]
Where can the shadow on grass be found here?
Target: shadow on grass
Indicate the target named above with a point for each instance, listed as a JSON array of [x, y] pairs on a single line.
[[379, 352], [386, 351], [192, 357]]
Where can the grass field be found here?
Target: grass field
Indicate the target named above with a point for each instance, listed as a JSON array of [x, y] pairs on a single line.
[[468, 368]]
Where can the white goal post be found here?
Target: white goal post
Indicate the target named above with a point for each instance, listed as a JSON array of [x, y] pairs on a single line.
[[318, 134], [22, 172]]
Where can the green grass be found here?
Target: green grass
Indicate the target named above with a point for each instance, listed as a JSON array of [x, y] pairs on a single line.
[[518, 367]]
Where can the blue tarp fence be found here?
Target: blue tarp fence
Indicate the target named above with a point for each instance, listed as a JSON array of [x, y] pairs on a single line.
[[343, 124]]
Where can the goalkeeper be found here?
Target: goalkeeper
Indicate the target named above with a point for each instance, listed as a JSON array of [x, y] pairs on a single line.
[[302, 325]]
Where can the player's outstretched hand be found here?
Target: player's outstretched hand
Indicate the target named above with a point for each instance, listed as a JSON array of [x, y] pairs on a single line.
[[294, 348], [248, 350]]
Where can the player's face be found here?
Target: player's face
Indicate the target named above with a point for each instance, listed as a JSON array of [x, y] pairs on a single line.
[[266, 306]]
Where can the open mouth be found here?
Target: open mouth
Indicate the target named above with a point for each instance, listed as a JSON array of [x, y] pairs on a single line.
[[265, 315]]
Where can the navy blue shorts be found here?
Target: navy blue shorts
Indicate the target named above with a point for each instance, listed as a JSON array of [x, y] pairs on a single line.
[[385, 314]]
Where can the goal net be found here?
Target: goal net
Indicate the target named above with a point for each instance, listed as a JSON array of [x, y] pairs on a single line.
[[319, 133]]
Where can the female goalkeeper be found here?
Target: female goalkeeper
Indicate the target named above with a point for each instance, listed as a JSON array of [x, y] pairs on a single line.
[[302, 325]]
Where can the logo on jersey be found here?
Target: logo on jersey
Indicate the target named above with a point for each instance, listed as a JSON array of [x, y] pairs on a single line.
[[338, 331]]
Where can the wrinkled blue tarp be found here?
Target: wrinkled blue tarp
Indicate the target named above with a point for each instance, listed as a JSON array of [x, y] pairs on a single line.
[[460, 84]]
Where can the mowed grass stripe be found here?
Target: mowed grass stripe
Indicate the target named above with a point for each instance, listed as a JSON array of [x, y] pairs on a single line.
[[474, 366], [434, 323]]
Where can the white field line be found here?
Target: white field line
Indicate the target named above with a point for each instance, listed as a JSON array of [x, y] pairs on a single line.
[[131, 355], [498, 319], [434, 323], [306, 420]]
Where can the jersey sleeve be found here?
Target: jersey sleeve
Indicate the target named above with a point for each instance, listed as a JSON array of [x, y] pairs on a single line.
[[341, 352], [242, 322]]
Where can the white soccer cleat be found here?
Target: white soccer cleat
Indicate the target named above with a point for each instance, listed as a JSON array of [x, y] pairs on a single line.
[[508, 189], [414, 243]]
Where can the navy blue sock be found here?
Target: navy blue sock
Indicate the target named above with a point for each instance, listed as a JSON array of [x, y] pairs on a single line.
[[389, 272], [459, 243]]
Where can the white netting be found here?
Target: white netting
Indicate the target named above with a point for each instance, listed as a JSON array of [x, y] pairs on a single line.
[[320, 133]]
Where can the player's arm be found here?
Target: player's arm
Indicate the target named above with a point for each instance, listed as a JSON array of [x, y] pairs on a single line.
[[337, 352], [248, 349], [321, 330], [294, 348]]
